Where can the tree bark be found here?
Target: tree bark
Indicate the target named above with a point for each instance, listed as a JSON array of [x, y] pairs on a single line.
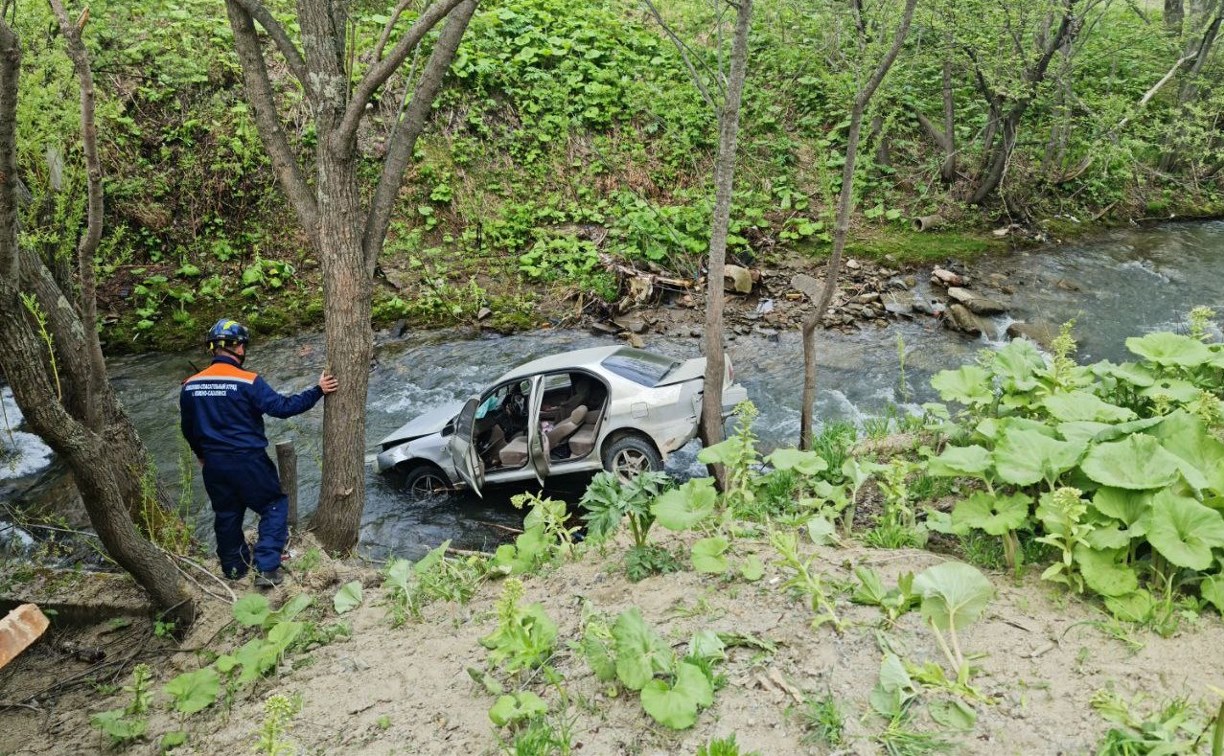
[[841, 227], [711, 427], [347, 235], [1174, 16], [98, 441]]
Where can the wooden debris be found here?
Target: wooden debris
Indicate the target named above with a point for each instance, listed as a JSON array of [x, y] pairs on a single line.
[[19, 630]]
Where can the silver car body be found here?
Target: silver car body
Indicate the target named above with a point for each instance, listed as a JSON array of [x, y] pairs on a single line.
[[666, 414]]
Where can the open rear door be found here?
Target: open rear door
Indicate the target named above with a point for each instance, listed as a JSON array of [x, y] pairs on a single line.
[[537, 450], [462, 447]]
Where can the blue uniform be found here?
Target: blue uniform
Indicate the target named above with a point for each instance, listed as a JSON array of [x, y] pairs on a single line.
[[222, 409]]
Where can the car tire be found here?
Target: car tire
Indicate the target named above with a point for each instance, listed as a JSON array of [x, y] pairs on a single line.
[[425, 482], [628, 456]]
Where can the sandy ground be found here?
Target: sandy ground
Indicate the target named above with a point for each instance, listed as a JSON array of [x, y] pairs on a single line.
[[1042, 655]]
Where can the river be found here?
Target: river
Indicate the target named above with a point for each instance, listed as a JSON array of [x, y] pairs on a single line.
[[1122, 284]]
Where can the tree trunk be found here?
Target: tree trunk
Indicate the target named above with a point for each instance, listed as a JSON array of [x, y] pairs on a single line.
[[98, 443], [711, 428], [947, 171], [1174, 16], [841, 228]]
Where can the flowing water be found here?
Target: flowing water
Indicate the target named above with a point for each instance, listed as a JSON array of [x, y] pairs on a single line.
[[1124, 284]]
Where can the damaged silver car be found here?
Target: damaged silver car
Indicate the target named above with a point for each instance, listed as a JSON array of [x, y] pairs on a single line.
[[607, 408]]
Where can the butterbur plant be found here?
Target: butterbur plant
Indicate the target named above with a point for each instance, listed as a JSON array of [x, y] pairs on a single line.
[[525, 636], [1062, 513], [954, 595], [738, 455], [804, 580]]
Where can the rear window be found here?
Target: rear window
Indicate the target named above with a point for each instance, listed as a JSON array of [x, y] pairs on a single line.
[[645, 368]]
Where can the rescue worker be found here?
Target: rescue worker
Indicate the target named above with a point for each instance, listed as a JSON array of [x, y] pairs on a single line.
[[222, 409]]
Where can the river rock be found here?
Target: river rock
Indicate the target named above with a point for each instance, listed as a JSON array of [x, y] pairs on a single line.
[[929, 306], [484, 313], [1041, 333], [961, 319], [945, 277], [604, 329], [867, 298], [986, 306], [738, 278], [809, 286], [632, 325], [853, 265]]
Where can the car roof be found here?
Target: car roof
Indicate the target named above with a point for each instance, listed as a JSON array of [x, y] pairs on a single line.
[[577, 358]]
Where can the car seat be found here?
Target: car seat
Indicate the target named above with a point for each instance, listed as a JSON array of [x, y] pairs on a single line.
[[567, 427]]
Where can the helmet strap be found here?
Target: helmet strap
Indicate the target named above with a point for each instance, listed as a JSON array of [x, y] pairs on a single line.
[[240, 357]]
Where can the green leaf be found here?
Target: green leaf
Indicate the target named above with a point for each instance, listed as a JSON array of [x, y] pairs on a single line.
[[251, 610], [1172, 389], [517, 707], [1184, 531], [721, 453], [960, 460], [1128, 372], [1017, 364], [953, 594], [640, 652], [1104, 573], [1082, 431], [1025, 457], [486, 680], [707, 645], [290, 609], [968, 384], [194, 691], [1082, 406], [1129, 506], [676, 706], [996, 514], [821, 531], [709, 555], [684, 507], [752, 569], [807, 463], [1137, 462], [348, 597], [1170, 349], [172, 740], [1202, 454], [1131, 607], [954, 714], [1212, 589], [894, 689]]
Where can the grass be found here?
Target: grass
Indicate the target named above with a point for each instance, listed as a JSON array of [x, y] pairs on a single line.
[[823, 721]]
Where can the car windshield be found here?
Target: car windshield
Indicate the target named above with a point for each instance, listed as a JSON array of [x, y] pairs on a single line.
[[641, 367]]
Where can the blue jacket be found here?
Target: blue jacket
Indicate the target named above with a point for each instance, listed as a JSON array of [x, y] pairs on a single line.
[[222, 408]]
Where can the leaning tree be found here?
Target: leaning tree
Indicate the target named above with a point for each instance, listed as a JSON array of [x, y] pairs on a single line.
[[345, 221], [51, 355]]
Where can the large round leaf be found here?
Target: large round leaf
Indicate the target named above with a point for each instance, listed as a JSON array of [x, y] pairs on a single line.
[[991, 512], [1184, 531], [1173, 389], [676, 706], [1166, 348], [953, 594], [968, 384], [1122, 504], [1075, 406], [1017, 365], [1025, 457], [803, 462], [1103, 571], [960, 460], [1201, 453], [682, 508], [1136, 462], [1128, 372]]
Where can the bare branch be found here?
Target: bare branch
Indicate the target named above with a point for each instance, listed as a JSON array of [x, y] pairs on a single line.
[[259, 91], [390, 27], [382, 70], [403, 140], [688, 63], [87, 245], [293, 56]]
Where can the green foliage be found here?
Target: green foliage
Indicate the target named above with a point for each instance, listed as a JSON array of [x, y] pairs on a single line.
[[516, 708], [652, 559], [823, 721], [435, 577], [608, 500], [348, 597], [953, 597], [739, 457], [894, 602], [525, 636], [194, 691], [804, 580], [724, 747]]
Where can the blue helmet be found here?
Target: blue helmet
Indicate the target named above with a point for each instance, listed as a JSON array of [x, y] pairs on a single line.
[[227, 333]]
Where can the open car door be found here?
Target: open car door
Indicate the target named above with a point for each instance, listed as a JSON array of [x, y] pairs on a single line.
[[462, 447], [537, 450]]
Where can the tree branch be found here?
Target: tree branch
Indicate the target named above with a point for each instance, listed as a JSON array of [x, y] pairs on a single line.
[[293, 56], [259, 91], [403, 139], [390, 27], [688, 63], [382, 70]]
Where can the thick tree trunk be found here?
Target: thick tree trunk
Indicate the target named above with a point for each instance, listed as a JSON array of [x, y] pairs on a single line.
[[1174, 16], [711, 428], [947, 171], [845, 204]]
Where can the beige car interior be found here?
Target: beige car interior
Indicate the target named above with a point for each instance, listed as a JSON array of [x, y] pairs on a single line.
[[572, 407]]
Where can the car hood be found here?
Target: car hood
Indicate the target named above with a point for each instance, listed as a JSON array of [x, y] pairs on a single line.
[[431, 422], [689, 370]]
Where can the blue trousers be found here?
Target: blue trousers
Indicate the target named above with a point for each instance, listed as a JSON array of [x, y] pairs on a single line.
[[235, 483]]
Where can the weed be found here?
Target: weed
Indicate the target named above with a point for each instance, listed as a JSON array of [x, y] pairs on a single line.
[[724, 747], [823, 721], [804, 580], [652, 559], [899, 738]]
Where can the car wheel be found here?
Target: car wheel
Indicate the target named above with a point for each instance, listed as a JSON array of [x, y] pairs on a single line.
[[629, 456], [425, 482]]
